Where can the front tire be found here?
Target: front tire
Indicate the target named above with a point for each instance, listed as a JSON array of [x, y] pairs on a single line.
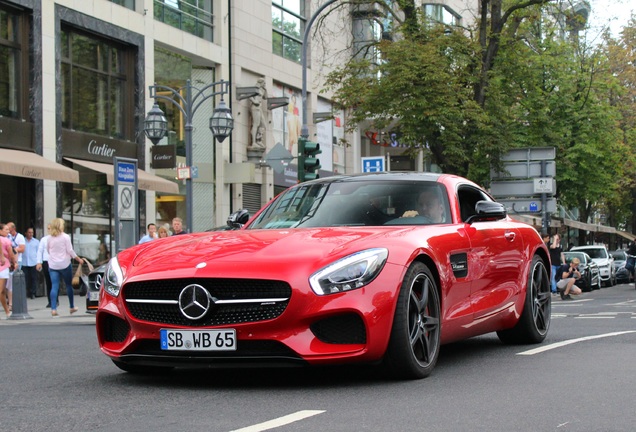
[[415, 337], [534, 322]]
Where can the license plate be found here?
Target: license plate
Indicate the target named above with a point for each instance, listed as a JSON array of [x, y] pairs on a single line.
[[198, 340], [93, 295]]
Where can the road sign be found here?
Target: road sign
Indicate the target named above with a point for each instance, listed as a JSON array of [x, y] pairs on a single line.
[[545, 185], [519, 188], [194, 171], [373, 164], [531, 205], [527, 169], [278, 158], [530, 154], [183, 173]]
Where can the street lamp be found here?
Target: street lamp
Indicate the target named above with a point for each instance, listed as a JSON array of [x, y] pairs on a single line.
[[221, 122]]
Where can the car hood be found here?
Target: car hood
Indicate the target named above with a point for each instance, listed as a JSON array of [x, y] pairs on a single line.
[[250, 253], [601, 261]]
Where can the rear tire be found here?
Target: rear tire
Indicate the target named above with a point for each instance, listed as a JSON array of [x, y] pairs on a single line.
[[534, 322], [415, 336]]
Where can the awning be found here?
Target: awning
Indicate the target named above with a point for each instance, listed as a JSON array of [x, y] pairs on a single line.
[[628, 236], [30, 165], [145, 181]]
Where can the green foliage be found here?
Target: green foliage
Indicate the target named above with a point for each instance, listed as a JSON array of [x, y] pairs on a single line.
[[515, 80]]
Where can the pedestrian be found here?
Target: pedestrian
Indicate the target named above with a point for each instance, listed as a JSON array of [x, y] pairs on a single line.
[[43, 264], [30, 261], [556, 258], [152, 234], [177, 226], [60, 253], [567, 275], [630, 263], [18, 244], [163, 232], [7, 260]]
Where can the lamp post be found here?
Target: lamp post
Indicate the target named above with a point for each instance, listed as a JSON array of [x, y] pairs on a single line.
[[221, 122]]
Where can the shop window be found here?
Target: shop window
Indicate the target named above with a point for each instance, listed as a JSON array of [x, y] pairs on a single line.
[[288, 28], [87, 208], [96, 77]]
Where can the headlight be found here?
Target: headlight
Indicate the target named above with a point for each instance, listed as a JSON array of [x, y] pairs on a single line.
[[113, 278], [349, 273]]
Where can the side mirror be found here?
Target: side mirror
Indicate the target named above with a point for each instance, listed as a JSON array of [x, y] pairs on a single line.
[[237, 219], [487, 211]]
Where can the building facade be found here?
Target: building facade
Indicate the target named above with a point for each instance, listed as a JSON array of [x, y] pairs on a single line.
[[74, 93]]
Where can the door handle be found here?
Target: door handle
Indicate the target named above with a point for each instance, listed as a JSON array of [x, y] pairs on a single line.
[[510, 236]]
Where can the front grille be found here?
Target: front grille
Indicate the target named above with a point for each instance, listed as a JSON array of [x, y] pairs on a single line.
[[141, 298], [340, 329]]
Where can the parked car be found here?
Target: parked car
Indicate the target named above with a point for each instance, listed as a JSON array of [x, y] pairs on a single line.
[[590, 276], [620, 259], [337, 270], [604, 260], [95, 278]]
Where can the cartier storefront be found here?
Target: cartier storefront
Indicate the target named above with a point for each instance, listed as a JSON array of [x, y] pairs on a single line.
[[88, 206]]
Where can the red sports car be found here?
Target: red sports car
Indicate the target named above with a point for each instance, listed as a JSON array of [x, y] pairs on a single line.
[[379, 268]]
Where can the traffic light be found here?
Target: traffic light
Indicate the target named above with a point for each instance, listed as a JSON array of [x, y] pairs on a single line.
[[308, 164]]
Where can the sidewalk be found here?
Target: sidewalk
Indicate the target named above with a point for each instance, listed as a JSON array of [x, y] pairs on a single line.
[[41, 315]]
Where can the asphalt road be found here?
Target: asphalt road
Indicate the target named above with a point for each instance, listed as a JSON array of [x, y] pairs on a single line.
[[582, 378]]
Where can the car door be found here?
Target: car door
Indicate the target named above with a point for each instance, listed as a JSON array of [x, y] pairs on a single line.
[[495, 258]]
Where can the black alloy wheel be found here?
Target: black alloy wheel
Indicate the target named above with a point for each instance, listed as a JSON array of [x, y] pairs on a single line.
[[534, 322], [415, 337]]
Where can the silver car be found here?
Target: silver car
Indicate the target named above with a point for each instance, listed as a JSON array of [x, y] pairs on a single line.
[[603, 259]]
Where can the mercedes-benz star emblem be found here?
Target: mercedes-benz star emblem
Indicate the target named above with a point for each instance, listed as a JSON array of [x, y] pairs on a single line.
[[194, 301], [98, 282]]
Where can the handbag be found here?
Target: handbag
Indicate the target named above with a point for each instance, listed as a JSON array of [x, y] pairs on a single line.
[[79, 273]]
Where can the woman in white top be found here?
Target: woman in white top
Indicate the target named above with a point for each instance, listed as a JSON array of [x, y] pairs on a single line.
[[60, 253]]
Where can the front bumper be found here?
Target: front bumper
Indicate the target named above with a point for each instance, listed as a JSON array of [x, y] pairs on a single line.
[[309, 329]]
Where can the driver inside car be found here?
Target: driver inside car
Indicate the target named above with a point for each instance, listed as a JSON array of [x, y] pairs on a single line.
[[429, 206]]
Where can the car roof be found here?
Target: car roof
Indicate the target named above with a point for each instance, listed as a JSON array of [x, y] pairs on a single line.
[[588, 247]]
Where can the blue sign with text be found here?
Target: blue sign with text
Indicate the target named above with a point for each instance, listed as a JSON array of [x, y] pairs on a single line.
[[126, 172]]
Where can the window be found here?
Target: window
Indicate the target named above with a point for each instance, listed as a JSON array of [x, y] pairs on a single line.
[[192, 16], [12, 45], [130, 4], [442, 14], [97, 85], [288, 28]]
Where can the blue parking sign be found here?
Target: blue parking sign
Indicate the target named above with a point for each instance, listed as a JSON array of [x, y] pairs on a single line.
[[373, 164]]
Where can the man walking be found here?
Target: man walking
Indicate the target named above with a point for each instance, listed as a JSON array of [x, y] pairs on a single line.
[[29, 263], [151, 235]]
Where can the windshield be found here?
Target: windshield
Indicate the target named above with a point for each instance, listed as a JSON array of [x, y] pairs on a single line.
[[619, 255], [597, 253], [579, 255], [357, 203]]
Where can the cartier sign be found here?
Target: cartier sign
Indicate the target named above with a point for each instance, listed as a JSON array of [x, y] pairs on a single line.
[[163, 156], [96, 148]]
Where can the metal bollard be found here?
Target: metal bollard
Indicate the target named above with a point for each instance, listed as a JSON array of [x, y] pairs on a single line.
[[19, 297]]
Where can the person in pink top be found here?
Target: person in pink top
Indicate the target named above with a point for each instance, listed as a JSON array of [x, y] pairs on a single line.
[[60, 253], [6, 258]]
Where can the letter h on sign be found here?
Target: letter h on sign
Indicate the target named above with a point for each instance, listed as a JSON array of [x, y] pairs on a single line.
[[373, 164]]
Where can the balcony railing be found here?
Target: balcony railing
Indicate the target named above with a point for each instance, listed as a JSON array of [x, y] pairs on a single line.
[[192, 16]]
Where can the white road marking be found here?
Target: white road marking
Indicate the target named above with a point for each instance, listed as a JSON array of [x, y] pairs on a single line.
[[572, 341], [281, 421]]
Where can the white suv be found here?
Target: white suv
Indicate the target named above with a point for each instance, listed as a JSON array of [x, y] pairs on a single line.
[[605, 262]]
